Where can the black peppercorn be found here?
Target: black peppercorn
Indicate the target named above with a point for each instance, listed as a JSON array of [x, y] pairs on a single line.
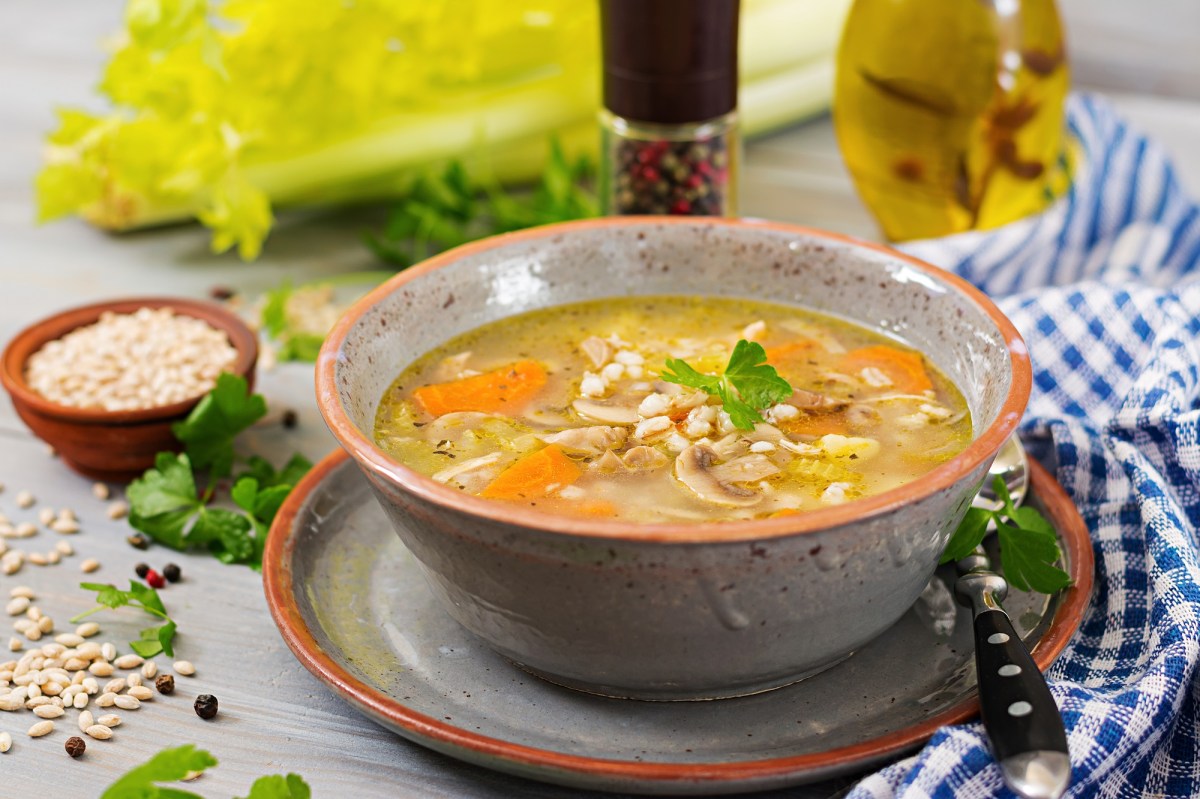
[[166, 685], [141, 570], [206, 706], [221, 293], [290, 419], [172, 573], [75, 746], [138, 541]]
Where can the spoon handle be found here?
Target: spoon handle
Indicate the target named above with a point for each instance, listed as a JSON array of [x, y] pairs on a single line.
[[1019, 714]]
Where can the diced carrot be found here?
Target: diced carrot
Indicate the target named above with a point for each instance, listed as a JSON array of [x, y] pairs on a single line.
[[504, 391], [816, 423], [783, 512], [791, 356], [534, 476], [905, 369], [592, 507]]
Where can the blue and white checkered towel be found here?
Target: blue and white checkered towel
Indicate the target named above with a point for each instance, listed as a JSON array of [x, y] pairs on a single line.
[[1105, 288]]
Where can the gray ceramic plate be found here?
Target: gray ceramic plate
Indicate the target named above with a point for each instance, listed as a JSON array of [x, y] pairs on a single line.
[[352, 604]]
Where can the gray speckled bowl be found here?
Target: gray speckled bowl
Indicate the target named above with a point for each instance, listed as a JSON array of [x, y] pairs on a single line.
[[675, 611]]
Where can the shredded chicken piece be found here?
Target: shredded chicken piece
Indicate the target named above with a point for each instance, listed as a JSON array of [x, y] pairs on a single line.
[[637, 459], [451, 368], [598, 351], [451, 426], [588, 440], [460, 469], [744, 469], [811, 400]]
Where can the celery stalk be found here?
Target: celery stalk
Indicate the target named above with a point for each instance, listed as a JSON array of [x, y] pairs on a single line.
[[226, 109]]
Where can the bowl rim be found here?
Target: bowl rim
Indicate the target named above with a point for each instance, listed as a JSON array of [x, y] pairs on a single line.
[[34, 336], [364, 450]]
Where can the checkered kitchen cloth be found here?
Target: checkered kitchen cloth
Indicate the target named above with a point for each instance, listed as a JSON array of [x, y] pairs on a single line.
[[1105, 288]]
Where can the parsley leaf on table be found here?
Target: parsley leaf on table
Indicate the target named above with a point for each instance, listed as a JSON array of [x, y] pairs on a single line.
[[172, 765], [208, 431], [747, 385], [153, 639], [169, 765], [445, 210], [1028, 545], [277, 786], [166, 504]]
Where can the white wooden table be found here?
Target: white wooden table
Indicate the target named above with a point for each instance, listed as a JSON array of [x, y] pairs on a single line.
[[274, 716]]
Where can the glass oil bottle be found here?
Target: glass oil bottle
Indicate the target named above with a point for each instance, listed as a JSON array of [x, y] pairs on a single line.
[[950, 113]]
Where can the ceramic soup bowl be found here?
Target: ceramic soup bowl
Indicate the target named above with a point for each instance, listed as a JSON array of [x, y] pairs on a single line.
[[675, 611]]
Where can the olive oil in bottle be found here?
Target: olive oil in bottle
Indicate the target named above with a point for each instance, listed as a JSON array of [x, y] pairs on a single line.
[[950, 113]]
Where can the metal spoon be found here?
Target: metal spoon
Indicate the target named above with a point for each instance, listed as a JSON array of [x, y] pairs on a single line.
[[1019, 714]]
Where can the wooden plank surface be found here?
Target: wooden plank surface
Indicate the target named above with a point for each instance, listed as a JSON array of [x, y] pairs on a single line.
[[274, 716]]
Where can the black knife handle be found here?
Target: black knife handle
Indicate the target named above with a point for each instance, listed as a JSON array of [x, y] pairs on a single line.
[[1018, 711]]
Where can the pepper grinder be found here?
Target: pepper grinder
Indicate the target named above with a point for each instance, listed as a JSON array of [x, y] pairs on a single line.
[[669, 126]]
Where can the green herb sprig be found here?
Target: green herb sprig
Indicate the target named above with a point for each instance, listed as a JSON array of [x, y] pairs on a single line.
[[446, 210], [172, 765], [1028, 546], [747, 385], [167, 505], [153, 640]]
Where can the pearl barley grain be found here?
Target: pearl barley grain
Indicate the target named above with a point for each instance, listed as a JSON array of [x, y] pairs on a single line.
[[145, 359]]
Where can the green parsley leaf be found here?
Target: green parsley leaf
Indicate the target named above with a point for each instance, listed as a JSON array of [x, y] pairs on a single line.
[[274, 310], [169, 486], [267, 476], [276, 786], [172, 765], [208, 432], [747, 385], [139, 595], [169, 765], [154, 640], [446, 209], [1028, 543], [970, 533]]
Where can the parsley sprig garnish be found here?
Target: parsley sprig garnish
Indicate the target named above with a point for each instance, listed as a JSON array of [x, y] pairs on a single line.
[[167, 504], [153, 639], [172, 765], [748, 384], [1028, 546]]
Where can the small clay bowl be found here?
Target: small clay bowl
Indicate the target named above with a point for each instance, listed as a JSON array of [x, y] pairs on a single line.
[[114, 446]]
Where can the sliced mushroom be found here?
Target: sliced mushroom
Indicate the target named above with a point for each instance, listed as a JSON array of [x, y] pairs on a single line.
[[598, 351], [812, 401], [588, 440], [745, 469], [610, 412], [693, 469]]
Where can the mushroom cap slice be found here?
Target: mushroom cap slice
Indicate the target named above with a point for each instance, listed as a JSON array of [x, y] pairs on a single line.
[[692, 468], [606, 412]]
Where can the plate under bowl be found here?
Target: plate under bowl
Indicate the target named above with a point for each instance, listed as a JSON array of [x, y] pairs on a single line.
[[351, 603]]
